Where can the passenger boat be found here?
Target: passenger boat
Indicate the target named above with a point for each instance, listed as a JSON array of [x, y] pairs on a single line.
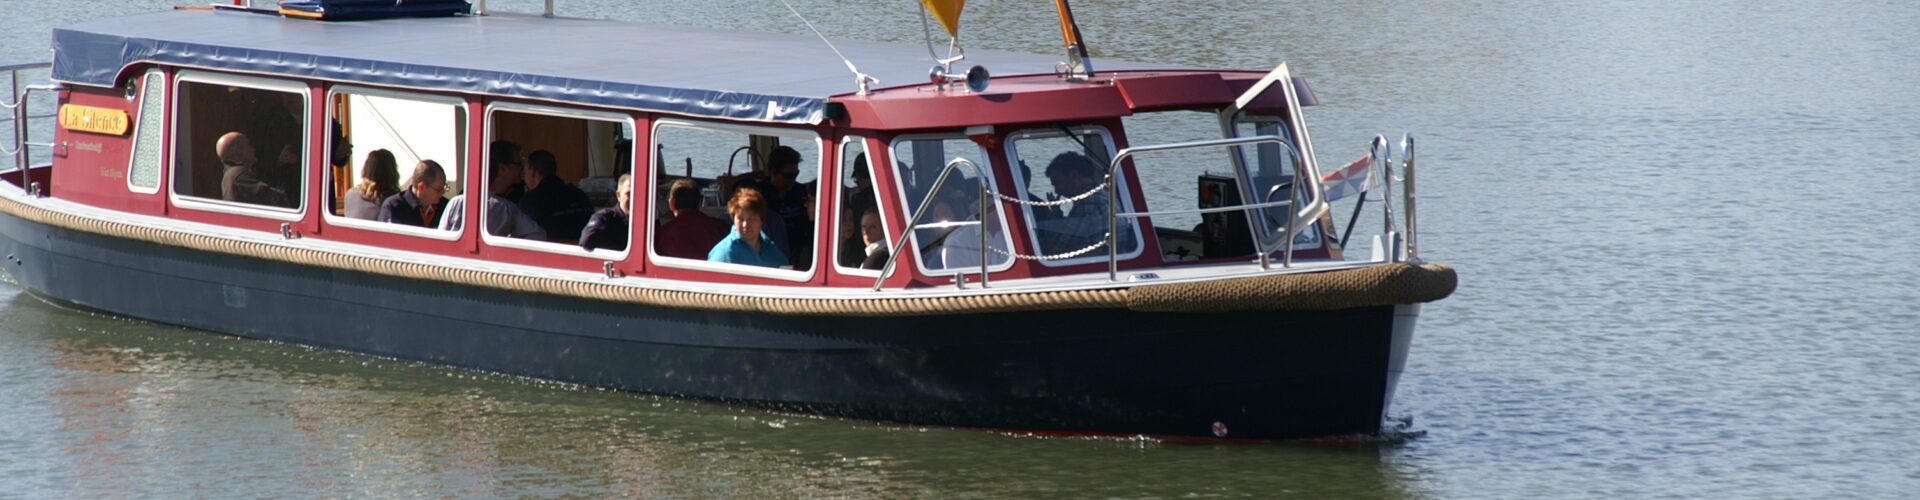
[[980, 295]]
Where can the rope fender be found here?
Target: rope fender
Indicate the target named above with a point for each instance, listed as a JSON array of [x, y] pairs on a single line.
[[1393, 283]]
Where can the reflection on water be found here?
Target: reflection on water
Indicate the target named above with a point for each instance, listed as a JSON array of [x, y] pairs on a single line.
[[114, 406]]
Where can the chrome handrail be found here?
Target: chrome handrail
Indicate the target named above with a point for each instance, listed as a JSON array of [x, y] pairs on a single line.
[[1304, 181], [20, 117], [913, 223], [1406, 168]]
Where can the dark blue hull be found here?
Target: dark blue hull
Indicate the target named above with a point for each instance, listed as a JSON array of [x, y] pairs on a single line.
[[1261, 376]]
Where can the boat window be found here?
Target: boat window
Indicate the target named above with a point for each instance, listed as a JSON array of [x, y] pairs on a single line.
[[701, 190], [553, 179], [862, 237], [1056, 166], [952, 245], [379, 141], [144, 175], [1271, 168], [240, 142]]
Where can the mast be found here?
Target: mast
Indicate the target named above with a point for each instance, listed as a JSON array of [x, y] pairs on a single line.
[[1079, 65]]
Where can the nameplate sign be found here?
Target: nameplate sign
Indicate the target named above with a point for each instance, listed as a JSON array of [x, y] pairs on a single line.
[[91, 119]]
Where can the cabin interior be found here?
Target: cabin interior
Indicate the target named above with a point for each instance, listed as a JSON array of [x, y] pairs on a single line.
[[314, 145]]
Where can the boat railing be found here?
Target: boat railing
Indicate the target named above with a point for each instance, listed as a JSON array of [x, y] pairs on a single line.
[[20, 117], [1306, 196], [1397, 245], [913, 222]]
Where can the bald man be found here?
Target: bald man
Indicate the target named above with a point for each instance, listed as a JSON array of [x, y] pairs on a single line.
[[239, 182]]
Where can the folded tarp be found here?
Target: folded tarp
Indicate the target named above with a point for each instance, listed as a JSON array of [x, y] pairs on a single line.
[[372, 9]]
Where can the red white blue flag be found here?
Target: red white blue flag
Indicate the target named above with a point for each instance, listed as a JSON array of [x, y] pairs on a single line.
[[1355, 178]]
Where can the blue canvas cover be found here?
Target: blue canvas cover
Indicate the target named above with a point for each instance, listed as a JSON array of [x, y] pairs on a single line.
[[671, 69], [376, 9]]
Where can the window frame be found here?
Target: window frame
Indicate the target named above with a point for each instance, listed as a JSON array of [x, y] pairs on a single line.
[[388, 227], [1122, 190], [841, 186], [900, 186], [486, 153], [197, 203], [653, 178], [161, 141], [1247, 158]]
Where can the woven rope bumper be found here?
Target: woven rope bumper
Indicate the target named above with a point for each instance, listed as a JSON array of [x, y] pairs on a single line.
[[1375, 285]]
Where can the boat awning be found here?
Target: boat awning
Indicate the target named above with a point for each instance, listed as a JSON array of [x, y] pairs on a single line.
[[670, 69]]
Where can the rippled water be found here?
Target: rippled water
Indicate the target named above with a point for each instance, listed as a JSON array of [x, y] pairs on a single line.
[[1685, 233]]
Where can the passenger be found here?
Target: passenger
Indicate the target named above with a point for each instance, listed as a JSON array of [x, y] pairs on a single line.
[[1074, 174], [505, 165], [608, 227], [559, 207], [379, 178], [503, 216], [240, 181], [960, 248], [690, 234], [860, 196], [422, 202], [875, 236], [1040, 212], [279, 126], [852, 251], [789, 222], [747, 244]]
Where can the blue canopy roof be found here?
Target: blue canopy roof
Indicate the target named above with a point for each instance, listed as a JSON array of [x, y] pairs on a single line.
[[672, 69]]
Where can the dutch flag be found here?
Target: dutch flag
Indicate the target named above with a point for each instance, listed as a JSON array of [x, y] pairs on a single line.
[[1355, 178]]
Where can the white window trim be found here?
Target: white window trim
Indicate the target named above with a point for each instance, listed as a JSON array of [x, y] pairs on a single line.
[[986, 170], [222, 206], [819, 147], [1122, 192], [1287, 128], [486, 153], [374, 225], [886, 228], [161, 143]]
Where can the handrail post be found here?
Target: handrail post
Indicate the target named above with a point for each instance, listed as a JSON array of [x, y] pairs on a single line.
[[1113, 222], [1392, 252], [19, 125], [981, 207], [1406, 168], [893, 254]]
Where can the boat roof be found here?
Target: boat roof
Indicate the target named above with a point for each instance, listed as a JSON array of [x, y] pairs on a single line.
[[702, 72]]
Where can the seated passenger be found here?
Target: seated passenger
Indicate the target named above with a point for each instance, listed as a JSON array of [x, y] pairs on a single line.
[[559, 207], [1073, 174], [961, 247], [852, 251], [690, 234], [503, 216], [608, 227], [875, 237], [790, 219], [239, 181], [747, 244], [379, 178], [422, 202]]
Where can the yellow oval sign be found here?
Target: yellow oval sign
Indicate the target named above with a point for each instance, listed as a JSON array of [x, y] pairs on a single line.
[[91, 119]]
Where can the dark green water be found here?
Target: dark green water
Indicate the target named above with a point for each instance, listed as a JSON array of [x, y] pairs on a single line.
[[1685, 232]]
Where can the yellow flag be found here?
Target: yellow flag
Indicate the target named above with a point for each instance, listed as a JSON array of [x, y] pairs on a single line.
[[948, 12]]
